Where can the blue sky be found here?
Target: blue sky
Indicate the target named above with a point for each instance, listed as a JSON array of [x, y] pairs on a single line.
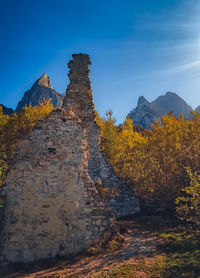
[[137, 47]]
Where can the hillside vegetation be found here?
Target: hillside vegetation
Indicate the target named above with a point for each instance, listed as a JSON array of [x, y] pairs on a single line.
[[162, 167], [159, 164], [154, 162]]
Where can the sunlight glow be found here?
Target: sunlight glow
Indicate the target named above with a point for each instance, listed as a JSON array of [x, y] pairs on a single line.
[[199, 46], [184, 67]]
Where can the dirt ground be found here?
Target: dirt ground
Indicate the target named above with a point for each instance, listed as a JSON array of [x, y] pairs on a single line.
[[140, 240]]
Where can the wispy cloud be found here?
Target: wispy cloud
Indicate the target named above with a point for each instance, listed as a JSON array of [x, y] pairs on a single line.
[[173, 70]]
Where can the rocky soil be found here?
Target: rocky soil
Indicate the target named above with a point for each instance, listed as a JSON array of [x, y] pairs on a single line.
[[140, 241]]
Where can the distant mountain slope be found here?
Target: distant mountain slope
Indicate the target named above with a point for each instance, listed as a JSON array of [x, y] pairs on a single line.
[[198, 109], [42, 88], [147, 112], [6, 110]]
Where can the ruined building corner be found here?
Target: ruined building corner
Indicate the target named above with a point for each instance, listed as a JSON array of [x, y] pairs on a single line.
[[55, 201]]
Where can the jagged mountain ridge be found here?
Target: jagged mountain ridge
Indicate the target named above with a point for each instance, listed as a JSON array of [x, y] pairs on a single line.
[[147, 112], [41, 89], [6, 110]]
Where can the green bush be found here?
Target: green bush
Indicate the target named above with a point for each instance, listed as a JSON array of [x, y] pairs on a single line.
[[188, 205]]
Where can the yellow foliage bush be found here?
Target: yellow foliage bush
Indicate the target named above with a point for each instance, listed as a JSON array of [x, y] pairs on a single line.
[[188, 203]]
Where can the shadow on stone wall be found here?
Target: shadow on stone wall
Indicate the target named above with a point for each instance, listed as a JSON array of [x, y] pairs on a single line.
[[2, 207]]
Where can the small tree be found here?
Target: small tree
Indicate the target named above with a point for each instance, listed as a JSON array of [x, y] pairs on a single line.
[[188, 205], [108, 134]]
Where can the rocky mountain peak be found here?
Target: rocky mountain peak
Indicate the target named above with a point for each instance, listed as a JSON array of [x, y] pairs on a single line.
[[147, 112], [172, 102], [41, 89], [142, 101], [169, 94], [44, 81]]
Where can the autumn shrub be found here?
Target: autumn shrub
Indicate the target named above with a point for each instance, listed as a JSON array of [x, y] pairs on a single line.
[[188, 204], [109, 135], [109, 242]]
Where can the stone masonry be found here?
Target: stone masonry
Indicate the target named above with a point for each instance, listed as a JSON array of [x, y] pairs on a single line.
[[61, 192]]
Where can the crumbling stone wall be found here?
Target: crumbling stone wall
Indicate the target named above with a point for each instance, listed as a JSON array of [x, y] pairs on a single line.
[[79, 99], [2, 207], [55, 191]]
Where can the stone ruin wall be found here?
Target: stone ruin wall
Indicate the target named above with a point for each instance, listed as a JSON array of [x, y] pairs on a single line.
[[54, 201]]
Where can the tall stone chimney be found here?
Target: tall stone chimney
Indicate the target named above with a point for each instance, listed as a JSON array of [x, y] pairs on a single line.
[[79, 92]]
